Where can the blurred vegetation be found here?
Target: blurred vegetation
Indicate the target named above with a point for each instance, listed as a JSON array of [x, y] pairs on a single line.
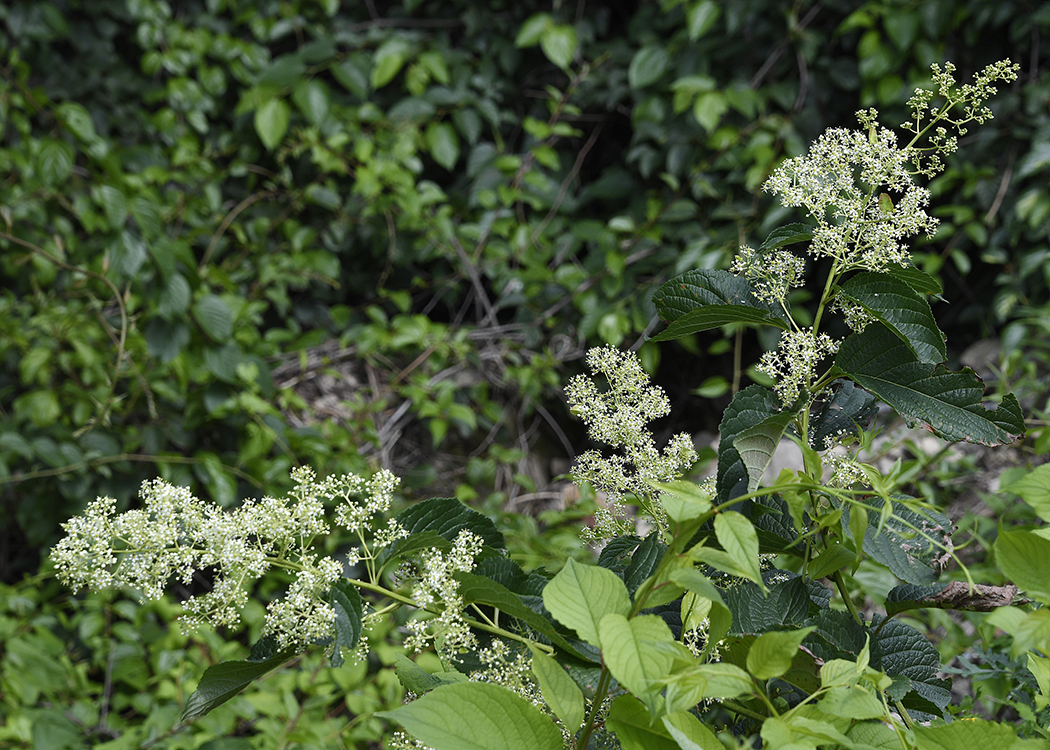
[[238, 236]]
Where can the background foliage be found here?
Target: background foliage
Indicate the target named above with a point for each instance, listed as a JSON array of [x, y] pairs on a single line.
[[239, 236]]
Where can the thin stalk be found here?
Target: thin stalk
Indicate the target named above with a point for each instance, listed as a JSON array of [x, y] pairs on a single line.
[[596, 705], [840, 583]]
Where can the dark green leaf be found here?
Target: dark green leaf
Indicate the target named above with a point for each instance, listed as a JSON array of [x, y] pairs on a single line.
[[712, 316], [166, 340], [647, 66], [223, 681], [418, 680], [695, 290], [948, 402], [901, 650], [214, 317], [645, 560], [902, 309], [349, 610], [447, 516], [56, 162], [750, 429], [786, 605], [282, 72], [789, 234], [918, 280], [911, 543], [845, 411]]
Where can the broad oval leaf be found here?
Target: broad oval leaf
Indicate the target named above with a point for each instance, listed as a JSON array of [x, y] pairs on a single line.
[[902, 309], [1034, 489], [948, 402], [738, 538], [634, 651], [789, 234], [771, 653], [1025, 559], [647, 66], [559, 43], [447, 516], [271, 122], [476, 716], [719, 290], [561, 692], [214, 317], [581, 595], [349, 611], [845, 411]]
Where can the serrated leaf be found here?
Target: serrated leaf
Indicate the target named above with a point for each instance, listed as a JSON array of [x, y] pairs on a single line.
[[1024, 557], [966, 734], [902, 309], [771, 653], [271, 122], [214, 317], [713, 316], [222, 681], [476, 716], [1034, 489], [560, 691], [948, 402], [697, 289], [909, 542], [559, 43], [720, 619], [848, 409], [918, 280], [581, 595], [647, 66], [786, 603], [632, 650], [789, 234], [754, 418], [901, 650], [418, 680], [174, 297], [443, 144], [349, 611], [447, 516], [476, 589], [737, 537], [644, 561]]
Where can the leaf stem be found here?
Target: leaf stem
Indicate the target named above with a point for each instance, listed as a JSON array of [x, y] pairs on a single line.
[[596, 705]]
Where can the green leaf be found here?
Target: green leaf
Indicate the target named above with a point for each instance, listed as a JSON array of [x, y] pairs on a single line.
[[418, 680], [902, 309], [476, 716], [755, 419], [910, 542], [581, 595], [271, 122], [389, 59], [689, 733], [948, 402], [720, 620], [691, 292], [851, 702], [788, 234], [221, 682], [282, 72], [560, 691], [738, 538], [447, 516], [771, 653], [214, 317], [77, 120], [846, 411], [700, 18], [634, 728], [349, 611], [443, 144], [636, 653], [113, 203], [965, 735], [786, 603], [709, 108], [902, 651], [559, 43], [1034, 489], [647, 66], [164, 340], [312, 99], [532, 30], [128, 255], [644, 561], [56, 162], [1024, 557], [175, 297], [918, 280], [477, 589], [352, 73], [683, 500]]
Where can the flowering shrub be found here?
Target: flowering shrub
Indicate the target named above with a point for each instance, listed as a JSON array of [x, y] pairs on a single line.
[[715, 629]]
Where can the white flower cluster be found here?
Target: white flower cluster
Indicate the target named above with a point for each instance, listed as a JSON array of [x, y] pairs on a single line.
[[793, 364], [771, 274], [436, 584], [176, 534], [842, 183], [618, 418]]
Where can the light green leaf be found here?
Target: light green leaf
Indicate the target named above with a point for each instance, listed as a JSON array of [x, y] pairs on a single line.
[[389, 59], [851, 702], [418, 680], [719, 617], [635, 729], [683, 501], [689, 733], [214, 317], [1024, 558], [532, 30], [476, 716], [78, 120], [581, 595], [312, 99], [560, 691], [902, 309], [443, 144], [949, 402], [647, 66], [1034, 489], [965, 735], [631, 650], [558, 43], [738, 538], [271, 122], [709, 108], [700, 18], [1040, 667], [771, 653]]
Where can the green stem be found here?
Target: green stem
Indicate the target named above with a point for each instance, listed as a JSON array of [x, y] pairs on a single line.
[[840, 583], [596, 705], [737, 708]]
